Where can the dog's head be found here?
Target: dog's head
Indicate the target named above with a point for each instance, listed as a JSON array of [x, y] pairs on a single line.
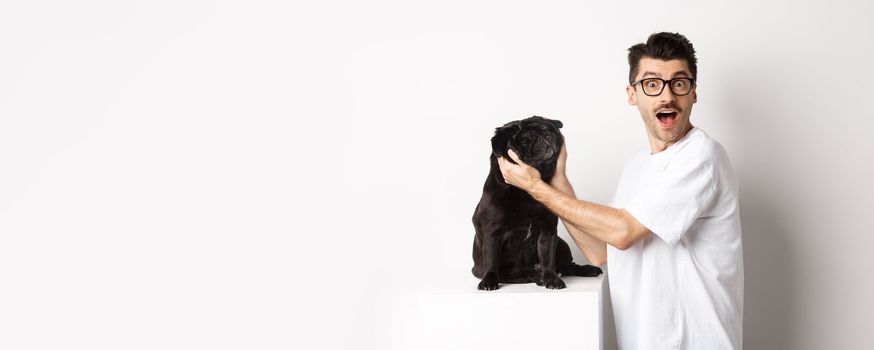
[[536, 140]]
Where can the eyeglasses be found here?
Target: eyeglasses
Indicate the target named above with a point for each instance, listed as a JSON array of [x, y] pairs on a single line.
[[655, 86]]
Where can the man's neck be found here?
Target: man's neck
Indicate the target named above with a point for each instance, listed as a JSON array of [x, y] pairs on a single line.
[[657, 146]]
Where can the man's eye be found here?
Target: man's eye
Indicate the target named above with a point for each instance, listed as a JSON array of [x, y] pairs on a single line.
[[652, 84], [679, 83]]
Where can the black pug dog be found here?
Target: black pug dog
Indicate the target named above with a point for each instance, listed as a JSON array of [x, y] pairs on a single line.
[[516, 237]]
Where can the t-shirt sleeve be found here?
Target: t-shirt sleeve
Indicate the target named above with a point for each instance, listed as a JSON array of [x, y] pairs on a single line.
[[676, 197]]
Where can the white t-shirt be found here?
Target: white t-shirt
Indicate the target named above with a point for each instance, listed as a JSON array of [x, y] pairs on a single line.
[[681, 287]]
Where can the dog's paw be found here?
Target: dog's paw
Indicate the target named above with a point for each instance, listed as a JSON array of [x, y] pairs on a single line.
[[489, 282], [555, 283], [550, 280]]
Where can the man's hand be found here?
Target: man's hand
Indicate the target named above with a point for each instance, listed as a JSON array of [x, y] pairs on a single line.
[[520, 175]]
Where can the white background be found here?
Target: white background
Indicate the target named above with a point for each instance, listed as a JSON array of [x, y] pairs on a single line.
[[266, 175]]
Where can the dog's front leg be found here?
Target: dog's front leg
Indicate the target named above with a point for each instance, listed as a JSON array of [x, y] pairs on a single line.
[[491, 262], [546, 254]]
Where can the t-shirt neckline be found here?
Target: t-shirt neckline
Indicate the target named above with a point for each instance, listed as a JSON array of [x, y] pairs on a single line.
[[677, 145]]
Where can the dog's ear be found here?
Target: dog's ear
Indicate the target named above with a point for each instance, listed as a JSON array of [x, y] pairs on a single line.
[[557, 123], [502, 138]]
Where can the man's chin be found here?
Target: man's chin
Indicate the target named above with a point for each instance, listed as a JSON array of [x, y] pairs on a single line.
[[673, 134]]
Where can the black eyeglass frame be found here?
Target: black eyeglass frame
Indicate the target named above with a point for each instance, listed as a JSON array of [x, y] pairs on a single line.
[[666, 83]]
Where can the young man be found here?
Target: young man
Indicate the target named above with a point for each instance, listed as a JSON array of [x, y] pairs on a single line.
[[672, 233]]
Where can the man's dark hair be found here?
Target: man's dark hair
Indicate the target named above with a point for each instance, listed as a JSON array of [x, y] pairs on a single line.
[[663, 46]]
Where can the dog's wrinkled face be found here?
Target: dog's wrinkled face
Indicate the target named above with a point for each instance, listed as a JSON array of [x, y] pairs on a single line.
[[536, 140]]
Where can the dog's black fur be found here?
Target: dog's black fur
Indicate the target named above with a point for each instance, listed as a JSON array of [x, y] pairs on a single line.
[[516, 237]]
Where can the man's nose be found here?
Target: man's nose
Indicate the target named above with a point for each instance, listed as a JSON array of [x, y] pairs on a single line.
[[667, 95]]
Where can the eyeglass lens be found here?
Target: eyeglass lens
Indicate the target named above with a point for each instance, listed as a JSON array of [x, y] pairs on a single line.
[[655, 86]]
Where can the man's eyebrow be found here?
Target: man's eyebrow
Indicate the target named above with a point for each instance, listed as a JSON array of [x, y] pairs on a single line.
[[681, 73]]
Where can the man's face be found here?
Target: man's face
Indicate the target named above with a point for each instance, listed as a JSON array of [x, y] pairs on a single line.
[[666, 115]]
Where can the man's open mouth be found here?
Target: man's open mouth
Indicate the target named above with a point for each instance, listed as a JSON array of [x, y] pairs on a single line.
[[667, 117]]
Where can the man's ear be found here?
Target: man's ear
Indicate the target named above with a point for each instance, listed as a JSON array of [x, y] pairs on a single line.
[[502, 138], [632, 95]]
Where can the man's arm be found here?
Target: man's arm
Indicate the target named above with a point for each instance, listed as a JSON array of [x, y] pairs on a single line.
[[595, 250], [610, 225]]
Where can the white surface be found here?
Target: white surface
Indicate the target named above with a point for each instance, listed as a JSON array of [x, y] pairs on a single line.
[[516, 316]]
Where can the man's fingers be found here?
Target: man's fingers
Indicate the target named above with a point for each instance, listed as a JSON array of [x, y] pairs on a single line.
[[502, 165], [505, 162], [514, 156]]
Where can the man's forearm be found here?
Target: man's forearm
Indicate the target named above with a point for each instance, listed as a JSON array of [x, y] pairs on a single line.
[[602, 223], [594, 249]]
